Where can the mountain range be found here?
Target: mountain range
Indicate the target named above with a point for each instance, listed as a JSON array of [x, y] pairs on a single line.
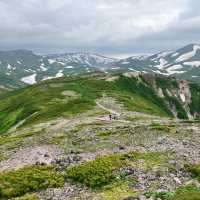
[[21, 67]]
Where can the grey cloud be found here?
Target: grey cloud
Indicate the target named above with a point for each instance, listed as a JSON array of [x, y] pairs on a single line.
[[105, 26]]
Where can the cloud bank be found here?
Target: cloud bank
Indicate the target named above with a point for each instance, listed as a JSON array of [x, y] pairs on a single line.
[[104, 26]]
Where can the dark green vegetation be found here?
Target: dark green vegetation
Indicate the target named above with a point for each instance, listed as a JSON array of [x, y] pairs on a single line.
[[28, 179], [98, 173], [195, 105], [47, 100], [186, 193], [195, 170], [182, 193]]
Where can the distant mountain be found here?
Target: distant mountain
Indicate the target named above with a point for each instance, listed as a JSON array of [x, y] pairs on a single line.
[[184, 63], [25, 67]]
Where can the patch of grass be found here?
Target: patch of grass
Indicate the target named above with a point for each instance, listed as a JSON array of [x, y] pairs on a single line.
[[182, 193], [194, 169], [160, 127], [186, 193], [99, 172], [28, 179], [15, 141], [159, 195], [27, 197], [190, 121], [150, 159], [2, 157], [117, 191], [105, 133]]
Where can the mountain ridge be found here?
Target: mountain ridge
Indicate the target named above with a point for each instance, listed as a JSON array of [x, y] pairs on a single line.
[[28, 68]]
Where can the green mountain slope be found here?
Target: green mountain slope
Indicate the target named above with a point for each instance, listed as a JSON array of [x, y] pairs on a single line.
[[50, 99], [66, 97]]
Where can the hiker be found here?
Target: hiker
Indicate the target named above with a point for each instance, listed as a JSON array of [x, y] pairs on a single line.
[[110, 116]]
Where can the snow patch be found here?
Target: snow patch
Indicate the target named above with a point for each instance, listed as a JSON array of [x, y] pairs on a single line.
[[51, 61], [192, 63], [59, 74], [188, 55], [47, 78], [125, 63], [163, 62], [174, 67], [69, 67], [29, 79], [43, 68], [9, 67], [115, 68], [61, 63], [175, 54]]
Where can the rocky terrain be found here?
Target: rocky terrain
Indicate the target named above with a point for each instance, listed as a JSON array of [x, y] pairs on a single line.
[[111, 148]]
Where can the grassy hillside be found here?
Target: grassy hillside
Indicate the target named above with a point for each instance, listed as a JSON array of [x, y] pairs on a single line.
[[70, 96]]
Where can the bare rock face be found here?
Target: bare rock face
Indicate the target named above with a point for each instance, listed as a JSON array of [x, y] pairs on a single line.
[[184, 92]]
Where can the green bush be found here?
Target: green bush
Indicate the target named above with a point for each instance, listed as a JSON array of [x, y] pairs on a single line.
[[194, 169], [97, 173], [182, 193], [28, 179], [186, 193]]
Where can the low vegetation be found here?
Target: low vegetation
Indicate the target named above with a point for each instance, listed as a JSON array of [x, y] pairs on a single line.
[[27, 197], [194, 169], [98, 173], [182, 193], [29, 179]]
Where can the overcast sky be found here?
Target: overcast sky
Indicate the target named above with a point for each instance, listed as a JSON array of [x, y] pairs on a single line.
[[102, 26]]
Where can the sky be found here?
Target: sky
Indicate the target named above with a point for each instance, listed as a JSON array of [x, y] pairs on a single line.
[[109, 27]]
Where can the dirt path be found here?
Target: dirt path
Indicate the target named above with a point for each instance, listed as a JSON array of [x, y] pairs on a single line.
[[108, 109]]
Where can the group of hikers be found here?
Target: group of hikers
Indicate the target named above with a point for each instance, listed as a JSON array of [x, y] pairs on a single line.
[[111, 117]]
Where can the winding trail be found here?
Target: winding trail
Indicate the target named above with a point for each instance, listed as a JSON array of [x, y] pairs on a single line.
[[108, 109]]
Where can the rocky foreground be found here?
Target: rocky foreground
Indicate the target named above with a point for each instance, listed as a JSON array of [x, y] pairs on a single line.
[[90, 156]]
